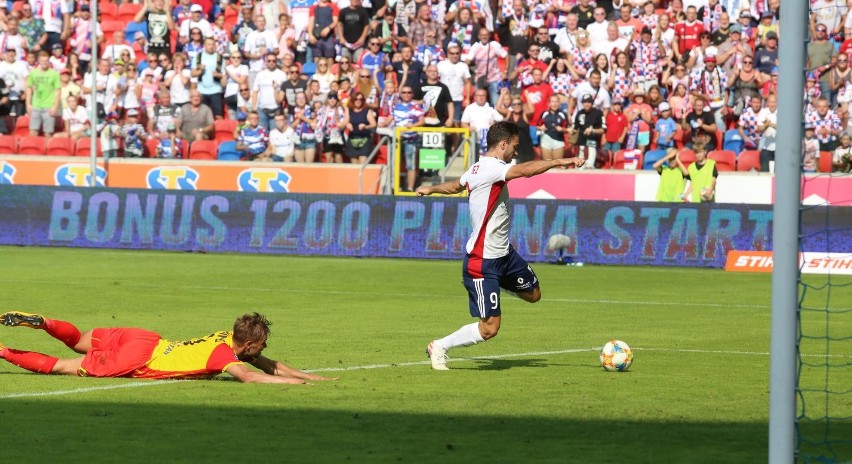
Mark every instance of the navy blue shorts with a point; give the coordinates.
(483, 279)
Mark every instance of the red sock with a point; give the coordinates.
(63, 331)
(30, 360)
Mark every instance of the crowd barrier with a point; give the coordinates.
(628, 233)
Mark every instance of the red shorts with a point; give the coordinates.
(117, 352)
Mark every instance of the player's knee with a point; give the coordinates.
(533, 296)
(488, 332)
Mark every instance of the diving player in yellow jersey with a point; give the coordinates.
(139, 353)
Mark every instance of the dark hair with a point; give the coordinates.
(251, 328)
(501, 131)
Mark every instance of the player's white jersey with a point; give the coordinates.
(489, 208)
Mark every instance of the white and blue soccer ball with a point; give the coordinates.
(616, 356)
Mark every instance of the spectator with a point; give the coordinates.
(810, 150)
(271, 10)
(407, 113)
(548, 50)
(553, 125)
(766, 127)
(436, 99)
(537, 95)
(639, 119)
(629, 27)
(601, 65)
(282, 141)
(767, 57)
(323, 16)
(408, 71)
(147, 91)
(195, 21)
(195, 45)
(429, 52)
(66, 87)
(407, 9)
(621, 84)
(360, 125)
(177, 81)
(324, 76)
(373, 60)
(369, 87)
(345, 70)
(687, 35)
(513, 31)
(56, 14)
(43, 96)
(561, 81)
(646, 56)
(81, 38)
(134, 135)
(266, 96)
(598, 29)
(182, 12)
(483, 55)
(701, 125)
(14, 73)
(747, 83)
(723, 31)
(839, 79)
(331, 122)
(566, 37)
(589, 125)
(170, 144)
(286, 36)
(109, 133)
(162, 116)
(593, 88)
(32, 28)
(12, 38)
(304, 123)
(585, 13)
(464, 30)
(519, 114)
(842, 157)
(117, 48)
(157, 15)
(665, 128)
(711, 15)
(522, 73)
(733, 52)
(259, 44)
(702, 175)
(675, 11)
(75, 118)
(129, 98)
(352, 29)
(616, 128)
(245, 26)
(820, 56)
(826, 124)
(220, 35)
(294, 84)
(672, 173)
(770, 87)
(748, 125)
(581, 60)
(195, 121)
(711, 82)
(236, 83)
(208, 68)
(253, 139)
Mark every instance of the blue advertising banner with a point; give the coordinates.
(384, 226)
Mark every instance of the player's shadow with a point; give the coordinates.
(486, 364)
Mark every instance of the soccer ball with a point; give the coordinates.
(616, 356)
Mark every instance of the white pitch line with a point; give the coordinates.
(372, 294)
(86, 390)
(152, 383)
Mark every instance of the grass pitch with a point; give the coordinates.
(697, 391)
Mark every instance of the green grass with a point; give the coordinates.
(697, 391)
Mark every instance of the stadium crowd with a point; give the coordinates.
(309, 80)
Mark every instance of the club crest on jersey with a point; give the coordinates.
(7, 173)
(79, 175)
(264, 180)
(172, 178)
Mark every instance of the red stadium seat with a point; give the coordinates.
(22, 126)
(108, 11)
(223, 130)
(203, 150)
(109, 27)
(720, 139)
(60, 146)
(678, 137)
(619, 160)
(84, 147)
(726, 160)
(748, 160)
(30, 145)
(825, 158)
(151, 147)
(8, 144)
(127, 11)
(687, 157)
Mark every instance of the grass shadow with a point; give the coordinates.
(489, 364)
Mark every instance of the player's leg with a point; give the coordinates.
(39, 363)
(63, 331)
(518, 279)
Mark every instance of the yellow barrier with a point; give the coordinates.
(398, 151)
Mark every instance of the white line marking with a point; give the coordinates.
(86, 390)
(152, 383)
(371, 294)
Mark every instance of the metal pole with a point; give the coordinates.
(785, 236)
(93, 111)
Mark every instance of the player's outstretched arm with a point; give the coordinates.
(534, 168)
(448, 188)
(246, 375)
(280, 369)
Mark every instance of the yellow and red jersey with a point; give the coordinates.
(196, 358)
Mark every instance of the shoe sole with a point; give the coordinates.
(17, 319)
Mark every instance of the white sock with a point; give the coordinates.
(467, 335)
